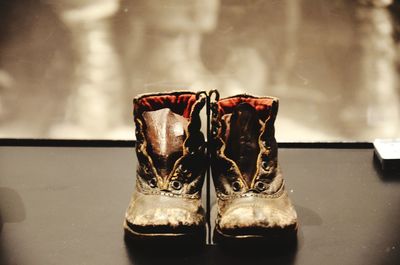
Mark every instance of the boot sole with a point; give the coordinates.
(197, 236)
(273, 236)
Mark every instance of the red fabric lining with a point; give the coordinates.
(262, 105)
(179, 103)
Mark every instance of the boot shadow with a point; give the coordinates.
(258, 253)
(12, 209)
(173, 252)
(164, 251)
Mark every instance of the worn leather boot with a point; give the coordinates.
(251, 198)
(171, 165)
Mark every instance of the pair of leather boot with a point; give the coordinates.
(173, 158)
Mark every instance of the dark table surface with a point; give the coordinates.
(65, 205)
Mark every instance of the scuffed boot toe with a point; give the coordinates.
(164, 216)
(257, 218)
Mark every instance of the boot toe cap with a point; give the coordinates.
(160, 214)
(255, 215)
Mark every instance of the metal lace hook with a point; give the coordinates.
(213, 92)
(199, 93)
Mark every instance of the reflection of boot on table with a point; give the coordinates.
(172, 38)
(94, 109)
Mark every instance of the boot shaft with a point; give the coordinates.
(244, 150)
(170, 146)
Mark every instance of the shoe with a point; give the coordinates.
(172, 162)
(251, 199)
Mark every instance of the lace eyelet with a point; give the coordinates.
(261, 186)
(236, 186)
(176, 185)
(153, 183)
(264, 164)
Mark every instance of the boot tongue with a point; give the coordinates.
(242, 139)
(165, 135)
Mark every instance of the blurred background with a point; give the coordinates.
(70, 68)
